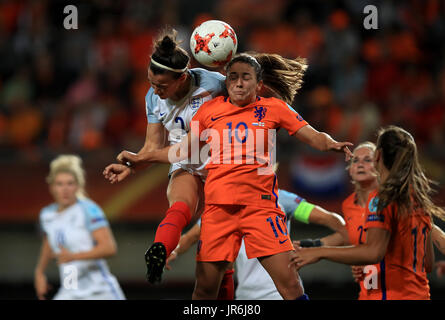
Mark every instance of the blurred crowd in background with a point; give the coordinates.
(83, 90)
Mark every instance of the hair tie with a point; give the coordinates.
(167, 68)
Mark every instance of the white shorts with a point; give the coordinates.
(193, 169)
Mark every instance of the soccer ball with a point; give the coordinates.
(213, 43)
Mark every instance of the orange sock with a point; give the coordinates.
(169, 230)
(227, 288)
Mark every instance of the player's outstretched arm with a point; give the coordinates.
(322, 141)
(171, 154)
(309, 213)
(335, 239)
(154, 140)
(370, 252)
(131, 162)
(331, 220)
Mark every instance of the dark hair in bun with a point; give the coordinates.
(168, 53)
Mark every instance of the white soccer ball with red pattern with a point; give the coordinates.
(213, 43)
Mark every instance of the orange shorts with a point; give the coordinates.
(224, 226)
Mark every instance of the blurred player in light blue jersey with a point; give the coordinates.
(77, 235)
(175, 96)
(254, 283)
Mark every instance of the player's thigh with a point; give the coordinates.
(220, 238)
(185, 187)
(208, 277)
(277, 266)
(265, 232)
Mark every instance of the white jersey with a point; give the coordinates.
(177, 115)
(72, 229)
(254, 283)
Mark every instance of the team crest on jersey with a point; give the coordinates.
(299, 118)
(373, 204)
(260, 112)
(298, 199)
(196, 102)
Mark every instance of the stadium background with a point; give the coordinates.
(82, 91)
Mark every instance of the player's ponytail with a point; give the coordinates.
(281, 75)
(166, 46)
(71, 164)
(406, 184)
(168, 56)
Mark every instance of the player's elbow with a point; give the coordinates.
(328, 219)
(110, 250)
(335, 222)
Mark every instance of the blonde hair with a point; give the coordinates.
(367, 144)
(71, 164)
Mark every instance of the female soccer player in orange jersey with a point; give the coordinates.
(398, 222)
(364, 178)
(241, 200)
(363, 175)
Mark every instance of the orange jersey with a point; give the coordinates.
(402, 270)
(354, 216)
(241, 144)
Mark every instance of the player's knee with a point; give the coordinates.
(290, 290)
(205, 290)
(190, 200)
(179, 209)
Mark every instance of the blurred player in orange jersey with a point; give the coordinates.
(398, 222)
(241, 200)
(364, 178)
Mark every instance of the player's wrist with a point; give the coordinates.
(310, 243)
(130, 166)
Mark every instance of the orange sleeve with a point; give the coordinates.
(289, 119)
(380, 220)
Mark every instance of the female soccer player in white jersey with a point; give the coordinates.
(175, 95)
(77, 234)
(254, 283)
